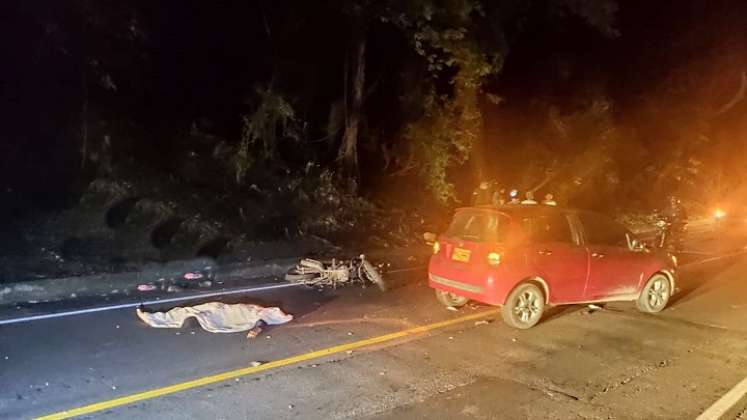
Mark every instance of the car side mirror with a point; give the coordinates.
(429, 238)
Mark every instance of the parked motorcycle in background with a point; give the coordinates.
(671, 234)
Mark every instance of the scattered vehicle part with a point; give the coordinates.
(452, 301)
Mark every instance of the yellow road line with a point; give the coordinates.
(207, 380)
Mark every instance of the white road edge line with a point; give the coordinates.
(147, 302)
(159, 301)
(716, 258)
(721, 408)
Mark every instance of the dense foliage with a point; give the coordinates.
(552, 95)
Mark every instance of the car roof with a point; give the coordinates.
(520, 209)
(516, 210)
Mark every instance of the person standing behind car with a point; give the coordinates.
(499, 197)
(482, 196)
(514, 197)
(549, 200)
(677, 217)
(529, 198)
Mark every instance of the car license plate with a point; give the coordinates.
(461, 254)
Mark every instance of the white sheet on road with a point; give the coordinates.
(217, 317)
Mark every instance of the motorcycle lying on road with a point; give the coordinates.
(335, 272)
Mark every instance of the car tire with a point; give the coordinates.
(524, 306)
(451, 299)
(655, 294)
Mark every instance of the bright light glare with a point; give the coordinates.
(494, 258)
(719, 214)
(436, 247)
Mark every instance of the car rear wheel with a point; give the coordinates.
(524, 306)
(451, 299)
(655, 295)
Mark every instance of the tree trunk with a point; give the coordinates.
(84, 122)
(347, 155)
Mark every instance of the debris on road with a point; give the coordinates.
(451, 308)
(193, 276)
(217, 317)
(146, 287)
(590, 309)
(255, 364)
(205, 283)
(482, 322)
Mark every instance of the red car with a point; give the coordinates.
(526, 257)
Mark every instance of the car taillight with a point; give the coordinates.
(436, 247)
(494, 258)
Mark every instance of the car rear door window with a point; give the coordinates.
(548, 228)
(478, 226)
(600, 230)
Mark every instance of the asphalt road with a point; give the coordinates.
(613, 363)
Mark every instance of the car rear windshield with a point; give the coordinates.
(478, 226)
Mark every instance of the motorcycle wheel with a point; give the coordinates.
(373, 274)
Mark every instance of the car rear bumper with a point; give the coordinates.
(456, 285)
(482, 286)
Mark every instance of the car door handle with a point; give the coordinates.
(544, 252)
(597, 255)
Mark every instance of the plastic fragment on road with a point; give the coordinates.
(451, 308)
(192, 276)
(217, 317)
(590, 309)
(146, 287)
